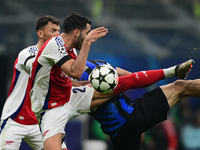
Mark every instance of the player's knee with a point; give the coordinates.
(182, 84)
(178, 83)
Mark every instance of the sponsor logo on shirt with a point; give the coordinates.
(63, 74)
(9, 142)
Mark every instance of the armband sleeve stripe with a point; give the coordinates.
(30, 57)
(63, 60)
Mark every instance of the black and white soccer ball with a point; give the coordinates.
(104, 78)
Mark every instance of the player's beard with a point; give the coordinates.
(79, 42)
(45, 39)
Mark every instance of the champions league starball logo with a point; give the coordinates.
(62, 50)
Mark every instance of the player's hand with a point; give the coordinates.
(94, 34)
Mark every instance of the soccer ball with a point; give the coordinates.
(104, 78)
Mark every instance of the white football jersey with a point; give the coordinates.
(50, 86)
(16, 106)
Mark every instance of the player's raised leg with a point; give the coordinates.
(56, 140)
(181, 88)
(147, 78)
(143, 79)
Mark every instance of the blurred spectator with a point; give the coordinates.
(162, 136)
(190, 133)
(97, 8)
(196, 8)
(180, 113)
(185, 5)
(95, 133)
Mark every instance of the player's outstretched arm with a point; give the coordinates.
(75, 68)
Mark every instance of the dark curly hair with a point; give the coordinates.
(75, 21)
(43, 21)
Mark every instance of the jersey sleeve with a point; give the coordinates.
(90, 65)
(55, 51)
(98, 62)
(26, 58)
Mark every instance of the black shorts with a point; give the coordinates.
(149, 110)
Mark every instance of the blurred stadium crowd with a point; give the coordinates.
(143, 35)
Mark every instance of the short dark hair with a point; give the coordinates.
(75, 21)
(43, 21)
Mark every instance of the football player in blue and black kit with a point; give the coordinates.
(125, 119)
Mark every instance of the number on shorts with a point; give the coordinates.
(79, 89)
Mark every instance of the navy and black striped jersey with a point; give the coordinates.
(113, 114)
(90, 65)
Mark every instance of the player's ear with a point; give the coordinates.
(76, 33)
(40, 34)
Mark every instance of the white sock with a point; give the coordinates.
(169, 72)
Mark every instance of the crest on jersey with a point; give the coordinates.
(62, 50)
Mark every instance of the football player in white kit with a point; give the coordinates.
(18, 121)
(51, 89)
(46, 72)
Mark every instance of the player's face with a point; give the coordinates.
(50, 30)
(83, 34)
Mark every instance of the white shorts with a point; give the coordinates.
(54, 120)
(12, 134)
